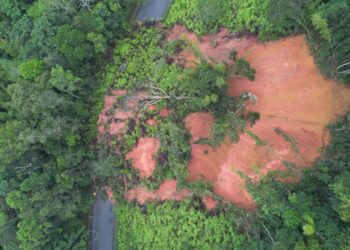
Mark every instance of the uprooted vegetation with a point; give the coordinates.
(296, 223)
(264, 152)
(141, 65)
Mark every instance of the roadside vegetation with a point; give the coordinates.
(174, 225)
(57, 60)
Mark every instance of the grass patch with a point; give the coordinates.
(173, 226)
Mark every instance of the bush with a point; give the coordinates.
(333, 50)
(251, 15)
(315, 209)
(29, 70)
(321, 25)
(173, 226)
(206, 16)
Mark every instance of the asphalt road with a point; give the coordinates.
(153, 10)
(103, 225)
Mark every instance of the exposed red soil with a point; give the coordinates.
(151, 122)
(292, 97)
(152, 107)
(113, 120)
(143, 156)
(215, 48)
(167, 191)
(164, 112)
(206, 122)
(109, 194)
(209, 202)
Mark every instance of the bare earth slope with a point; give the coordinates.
(293, 97)
(295, 104)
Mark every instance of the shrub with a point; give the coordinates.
(206, 16)
(322, 26)
(29, 70)
(333, 51)
(251, 15)
(173, 226)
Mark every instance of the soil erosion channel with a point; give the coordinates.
(295, 104)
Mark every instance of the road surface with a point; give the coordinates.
(153, 10)
(103, 225)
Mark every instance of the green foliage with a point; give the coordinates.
(173, 226)
(4, 96)
(64, 81)
(46, 125)
(252, 16)
(243, 68)
(229, 125)
(199, 188)
(29, 70)
(312, 214)
(10, 8)
(252, 117)
(257, 139)
(204, 87)
(105, 164)
(290, 17)
(72, 44)
(308, 229)
(137, 60)
(203, 16)
(341, 190)
(99, 42)
(36, 9)
(214, 13)
(291, 140)
(322, 26)
(173, 154)
(332, 52)
(58, 49)
(185, 12)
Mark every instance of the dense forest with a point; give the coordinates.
(57, 60)
(51, 54)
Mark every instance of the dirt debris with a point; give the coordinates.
(295, 103)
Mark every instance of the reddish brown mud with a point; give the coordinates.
(295, 103)
(209, 202)
(114, 117)
(166, 191)
(143, 156)
(293, 97)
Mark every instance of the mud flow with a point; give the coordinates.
(295, 103)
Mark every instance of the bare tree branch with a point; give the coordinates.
(156, 94)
